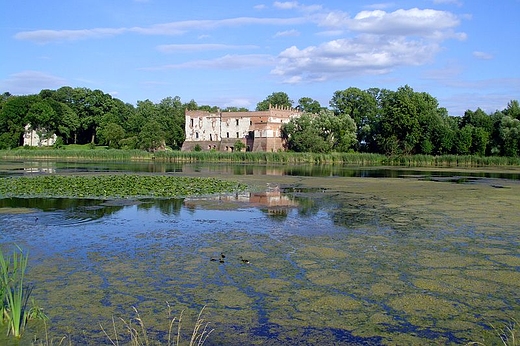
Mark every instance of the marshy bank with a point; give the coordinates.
(359, 159)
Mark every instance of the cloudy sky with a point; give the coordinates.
(466, 53)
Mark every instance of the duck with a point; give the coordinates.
(246, 261)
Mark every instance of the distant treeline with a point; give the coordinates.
(379, 121)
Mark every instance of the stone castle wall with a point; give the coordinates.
(259, 130)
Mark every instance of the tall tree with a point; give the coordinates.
(170, 113)
(510, 133)
(400, 130)
(279, 99)
(362, 107)
(309, 105)
(13, 118)
(323, 132)
(513, 109)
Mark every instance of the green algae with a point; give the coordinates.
(400, 266)
(8, 210)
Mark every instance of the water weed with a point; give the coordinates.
(113, 186)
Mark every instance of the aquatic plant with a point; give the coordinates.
(71, 152)
(114, 186)
(138, 333)
(508, 334)
(15, 294)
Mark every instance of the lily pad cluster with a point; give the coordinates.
(114, 186)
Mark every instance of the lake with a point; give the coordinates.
(310, 255)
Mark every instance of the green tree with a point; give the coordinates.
(40, 115)
(510, 133)
(463, 140)
(170, 112)
(302, 136)
(320, 133)
(239, 146)
(235, 109)
(513, 109)
(400, 130)
(479, 141)
(13, 118)
(308, 105)
(279, 99)
(111, 134)
(359, 105)
(151, 136)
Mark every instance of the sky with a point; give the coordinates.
(235, 53)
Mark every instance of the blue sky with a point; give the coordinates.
(466, 53)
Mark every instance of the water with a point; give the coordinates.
(331, 259)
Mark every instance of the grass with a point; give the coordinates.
(85, 152)
(136, 331)
(15, 294)
(508, 334)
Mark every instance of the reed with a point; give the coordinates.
(282, 157)
(15, 294)
(507, 335)
(136, 331)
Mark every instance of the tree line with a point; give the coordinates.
(373, 120)
(401, 122)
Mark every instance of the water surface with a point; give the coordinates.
(326, 259)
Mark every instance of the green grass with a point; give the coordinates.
(136, 331)
(85, 152)
(15, 294)
(508, 334)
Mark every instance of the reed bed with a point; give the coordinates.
(352, 158)
(14, 294)
(77, 154)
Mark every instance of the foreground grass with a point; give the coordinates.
(113, 186)
(14, 294)
(136, 331)
(361, 159)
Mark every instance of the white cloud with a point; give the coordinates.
(287, 33)
(168, 48)
(366, 54)
(172, 28)
(30, 82)
(380, 6)
(404, 22)
(287, 5)
(483, 55)
(450, 2)
(46, 36)
(227, 62)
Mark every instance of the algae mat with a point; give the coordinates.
(324, 261)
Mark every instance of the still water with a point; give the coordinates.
(319, 255)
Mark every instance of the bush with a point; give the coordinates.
(239, 146)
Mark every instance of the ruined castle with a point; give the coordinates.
(258, 131)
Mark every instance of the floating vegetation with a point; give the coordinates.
(366, 261)
(114, 186)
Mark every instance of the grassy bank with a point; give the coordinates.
(361, 159)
